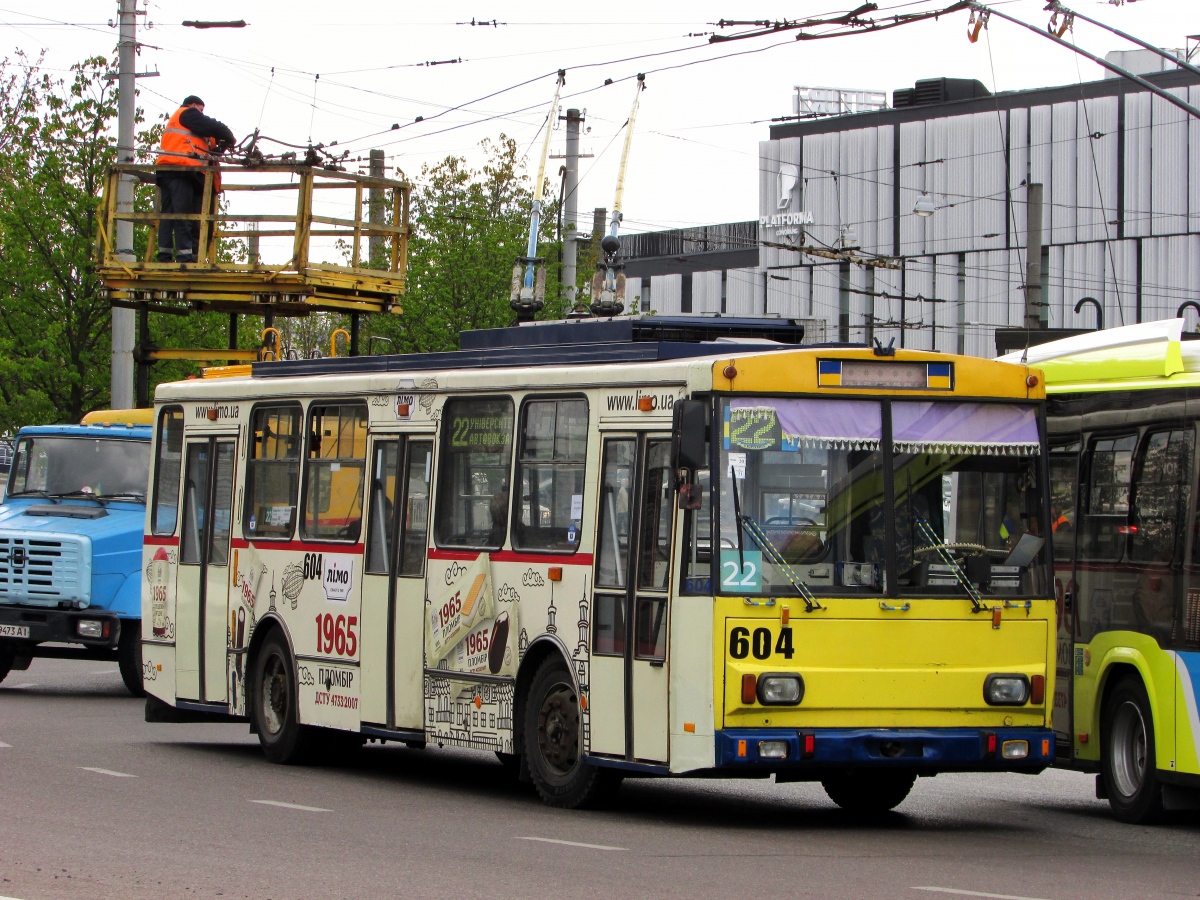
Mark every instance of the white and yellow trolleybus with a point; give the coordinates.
(634, 547)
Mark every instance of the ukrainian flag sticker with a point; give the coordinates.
(938, 376)
(829, 373)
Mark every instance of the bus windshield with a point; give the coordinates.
(58, 466)
(968, 498)
(802, 495)
(804, 486)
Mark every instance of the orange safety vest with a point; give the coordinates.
(179, 147)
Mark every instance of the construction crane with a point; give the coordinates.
(529, 294)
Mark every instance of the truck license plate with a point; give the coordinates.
(14, 631)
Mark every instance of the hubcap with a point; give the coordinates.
(558, 728)
(1128, 748)
(274, 695)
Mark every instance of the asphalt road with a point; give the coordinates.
(95, 803)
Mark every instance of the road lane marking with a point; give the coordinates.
(107, 772)
(961, 893)
(2, 747)
(8, 898)
(298, 806)
(106, 672)
(571, 843)
(17, 687)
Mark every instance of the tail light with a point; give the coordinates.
(989, 743)
(808, 744)
(749, 688)
(1037, 692)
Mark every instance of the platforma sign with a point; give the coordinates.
(788, 219)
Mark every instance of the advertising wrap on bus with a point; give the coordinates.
(70, 546)
(661, 559)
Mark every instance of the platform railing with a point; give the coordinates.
(308, 278)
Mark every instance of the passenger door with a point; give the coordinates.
(203, 591)
(633, 581)
(393, 600)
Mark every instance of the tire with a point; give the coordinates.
(129, 656)
(276, 705)
(552, 743)
(1127, 754)
(869, 792)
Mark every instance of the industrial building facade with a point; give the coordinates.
(1120, 170)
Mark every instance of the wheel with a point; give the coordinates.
(129, 656)
(6, 659)
(1127, 754)
(276, 714)
(869, 792)
(552, 743)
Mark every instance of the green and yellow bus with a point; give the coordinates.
(1123, 408)
(647, 546)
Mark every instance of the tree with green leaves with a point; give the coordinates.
(469, 227)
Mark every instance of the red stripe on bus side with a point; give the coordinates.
(150, 540)
(302, 546)
(550, 559)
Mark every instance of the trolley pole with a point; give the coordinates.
(571, 207)
(1033, 257)
(123, 320)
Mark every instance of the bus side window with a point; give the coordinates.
(476, 456)
(550, 474)
(1106, 516)
(382, 502)
(167, 463)
(1064, 478)
(272, 473)
(414, 522)
(333, 479)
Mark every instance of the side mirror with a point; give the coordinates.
(689, 435)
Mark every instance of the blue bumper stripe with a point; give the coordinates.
(931, 749)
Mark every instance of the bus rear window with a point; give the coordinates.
(472, 501)
(166, 470)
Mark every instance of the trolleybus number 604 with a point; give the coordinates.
(742, 643)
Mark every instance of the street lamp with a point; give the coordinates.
(924, 207)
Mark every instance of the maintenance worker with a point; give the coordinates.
(190, 141)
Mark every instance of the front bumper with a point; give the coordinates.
(924, 750)
(58, 626)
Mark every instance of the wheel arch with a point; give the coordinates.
(544, 647)
(1119, 663)
(264, 628)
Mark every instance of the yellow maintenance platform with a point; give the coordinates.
(275, 238)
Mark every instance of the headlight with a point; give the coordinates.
(1006, 690)
(1014, 749)
(775, 689)
(773, 750)
(91, 628)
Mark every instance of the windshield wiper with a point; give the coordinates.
(771, 552)
(40, 492)
(943, 552)
(133, 496)
(75, 495)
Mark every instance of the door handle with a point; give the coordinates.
(887, 607)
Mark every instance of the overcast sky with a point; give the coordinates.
(695, 150)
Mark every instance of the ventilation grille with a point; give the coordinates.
(44, 570)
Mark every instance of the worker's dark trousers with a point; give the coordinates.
(181, 193)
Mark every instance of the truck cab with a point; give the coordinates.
(71, 524)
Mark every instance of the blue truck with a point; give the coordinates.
(71, 525)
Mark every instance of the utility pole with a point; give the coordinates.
(571, 206)
(1033, 257)
(124, 320)
(375, 213)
